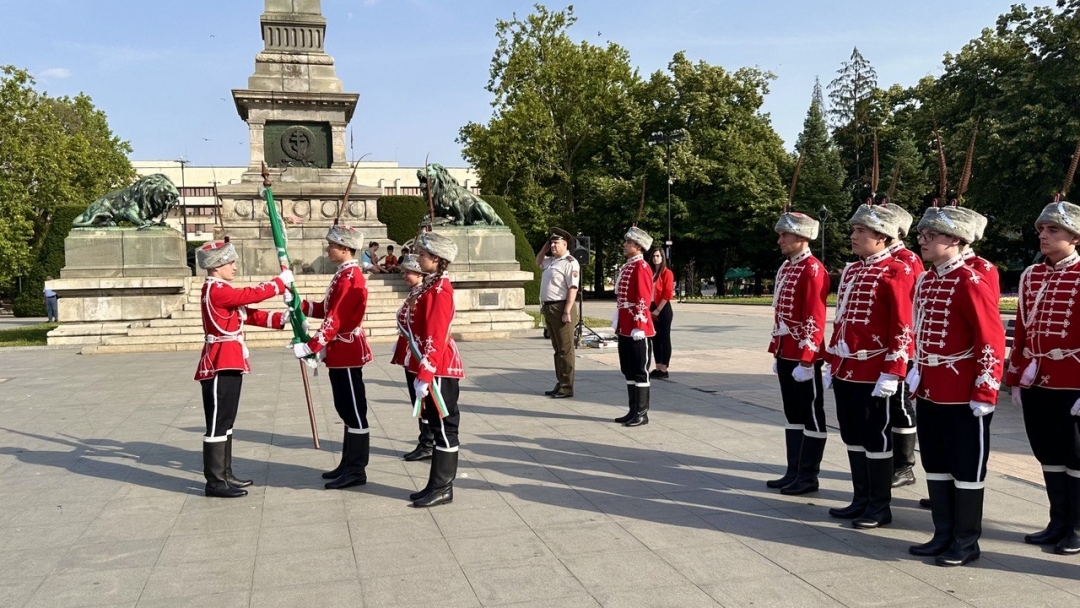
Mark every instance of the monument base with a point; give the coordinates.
(158, 251)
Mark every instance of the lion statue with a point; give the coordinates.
(453, 203)
(140, 203)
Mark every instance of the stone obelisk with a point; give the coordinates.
(297, 114)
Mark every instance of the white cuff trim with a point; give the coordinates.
(938, 477)
(793, 427)
(221, 439)
(357, 431)
(910, 431)
(879, 455)
(442, 449)
(856, 448)
(969, 485)
(815, 434)
(1072, 473)
(1053, 468)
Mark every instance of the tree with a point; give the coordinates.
(53, 152)
(850, 94)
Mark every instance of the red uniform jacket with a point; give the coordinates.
(427, 325)
(959, 339)
(799, 294)
(342, 312)
(982, 266)
(664, 287)
(403, 315)
(872, 327)
(1047, 336)
(633, 297)
(911, 259)
(224, 312)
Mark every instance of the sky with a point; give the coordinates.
(163, 71)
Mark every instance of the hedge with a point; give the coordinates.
(402, 214)
(50, 259)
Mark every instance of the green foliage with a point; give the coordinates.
(50, 259)
(524, 253)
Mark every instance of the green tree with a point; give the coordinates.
(851, 95)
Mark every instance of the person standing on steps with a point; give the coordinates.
(224, 358)
(633, 324)
(558, 294)
(414, 278)
(959, 349)
(432, 355)
(799, 300)
(341, 342)
(663, 294)
(868, 354)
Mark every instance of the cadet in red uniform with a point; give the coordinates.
(341, 343)
(869, 351)
(224, 357)
(979, 264)
(1044, 374)
(414, 278)
(632, 323)
(432, 355)
(802, 285)
(901, 409)
(959, 349)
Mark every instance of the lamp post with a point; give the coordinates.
(823, 214)
(183, 195)
(667, 138)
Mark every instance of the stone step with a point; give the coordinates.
(162, 327)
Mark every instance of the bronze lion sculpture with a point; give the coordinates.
(149, 198)
(455, 204)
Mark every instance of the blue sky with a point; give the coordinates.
(163, 70)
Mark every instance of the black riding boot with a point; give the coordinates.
(1057, 490)
(809, 466)
(336, 471)
(1070, 545)
(214, 469)
(631, 396)
(641, 414)
(878, 512)
(440, 481)
(357, 448)
(793, 439)
(943, 512)
(860, 482)
(903, 459)
(968, 517)
(229, 477)
(425, 443)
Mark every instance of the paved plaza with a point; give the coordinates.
(101, 492)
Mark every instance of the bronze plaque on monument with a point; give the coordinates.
(297, 144)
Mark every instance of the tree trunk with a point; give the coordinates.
(598, 269)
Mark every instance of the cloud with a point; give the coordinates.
(54, 73)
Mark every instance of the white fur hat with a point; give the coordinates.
(876, 218)
(346, 236)
(902, 217)
(440, 246)
(639, 236)
(798, 224)
(978, 221)
(215, 254)
(409, 263)
(1063, 214)
(953, 221)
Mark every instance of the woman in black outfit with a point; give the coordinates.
(663, 294)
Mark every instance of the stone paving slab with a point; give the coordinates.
(101, 492)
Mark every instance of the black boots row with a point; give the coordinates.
(425, 443)
(903, 459)
(638, 415)
(440, 486)
(871, 480)
(352, 470)
(1063, 531)
(957, 515)
(217, 467)
(804, 455)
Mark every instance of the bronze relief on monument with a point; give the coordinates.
(297, 144)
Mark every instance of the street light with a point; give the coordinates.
(183, 195)
(668, 138)
(823, 214)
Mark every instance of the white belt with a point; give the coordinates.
(862, 355)
(351, 336)
(935, 360)
(218, 339)
(782, 330)
(1055, 354)
(626, 305)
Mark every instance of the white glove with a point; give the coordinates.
(886, 386)
(775, 370)
(1028, 377)
(286, 277)
(421, 388)
(287, 297)
(802, 373)
(301, 350)
(1015, 394)
(826, 376)
(981, 409)
(637, 334)
(615, 320)
(393, 350)
(1075, 411)
(913, 379)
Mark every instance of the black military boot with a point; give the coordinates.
(793, 439)
(860, 482)
(942, 511)
(631, 396)
(214, 470)
(1057, 490)
(641, 414)
(809, 466)
(425, 443)
(357, 449)
(878, 512)
(1070, 545)
(441, 480)
(229, 477)
(903, 459)
(968, 529)
(336, 471)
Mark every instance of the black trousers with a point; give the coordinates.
(221, 399)
(634, 359)
(350, 399)
(444, 429)
(955, 444)
(902, 410)
(804, 402)
(1052, 431)
(662, 340)
(864, 420)
(425, 431)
